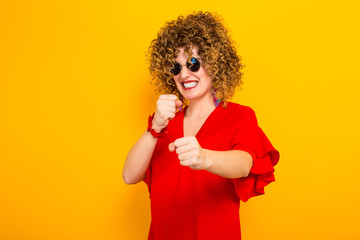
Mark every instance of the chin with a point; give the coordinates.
(192, 97)
(189, 96)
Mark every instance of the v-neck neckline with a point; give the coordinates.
(202, 126)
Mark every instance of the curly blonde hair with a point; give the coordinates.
(206, 32)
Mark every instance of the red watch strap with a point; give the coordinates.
(155, 134)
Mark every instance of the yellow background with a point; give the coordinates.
(75, 96)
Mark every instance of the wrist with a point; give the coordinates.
(207, 160)
(156, 127)
(156, 134)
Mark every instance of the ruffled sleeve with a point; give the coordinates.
(249, 137)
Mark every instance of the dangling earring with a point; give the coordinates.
(181, 98)
(216, 101)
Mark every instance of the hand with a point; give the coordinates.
(166, 107)
(190, 153)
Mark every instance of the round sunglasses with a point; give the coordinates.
(193, 65)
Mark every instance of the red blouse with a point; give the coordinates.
(192, 204)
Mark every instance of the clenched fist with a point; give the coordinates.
(190, 153)
(166, 108)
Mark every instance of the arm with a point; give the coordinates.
(138, 158)
(228, 164)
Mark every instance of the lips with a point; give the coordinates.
(187, 85)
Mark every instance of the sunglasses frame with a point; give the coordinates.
(193, 64)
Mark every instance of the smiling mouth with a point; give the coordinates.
(189, 85)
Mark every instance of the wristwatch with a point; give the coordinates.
(155, 134)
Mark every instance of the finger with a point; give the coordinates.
(184, 141)
(178, 103)
(167, 108)
(168, 96)
(185, 156)
(168, 103)
(183, 149)
(186, 162)
(171, 147)
(171, 103)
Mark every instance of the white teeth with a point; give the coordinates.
(190, 84)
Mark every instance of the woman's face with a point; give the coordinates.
(192, 85)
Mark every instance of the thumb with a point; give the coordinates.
(172, 147)
(178, 103)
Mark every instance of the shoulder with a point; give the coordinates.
(236, 108)
(239, 113)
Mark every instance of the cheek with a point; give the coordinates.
(205, 75)
(207, 79)
(176, 80)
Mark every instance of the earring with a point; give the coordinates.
(181, 98)
(216, 101)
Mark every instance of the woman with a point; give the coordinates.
(199, 162)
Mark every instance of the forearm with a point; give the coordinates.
(228, 164)
(138, 159)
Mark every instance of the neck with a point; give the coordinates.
(199, 108)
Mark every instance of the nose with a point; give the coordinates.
(185, 72)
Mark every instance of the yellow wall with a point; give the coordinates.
(75, 96)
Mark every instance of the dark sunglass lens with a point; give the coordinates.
(175, 70)
(193, 64)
